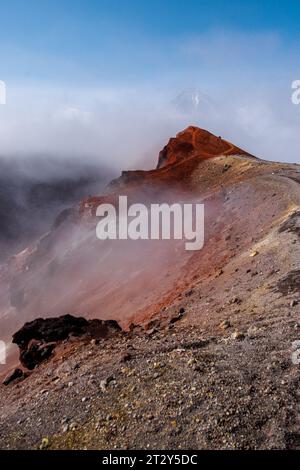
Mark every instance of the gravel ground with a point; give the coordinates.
(171, 388)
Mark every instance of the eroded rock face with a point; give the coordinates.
(37, 339)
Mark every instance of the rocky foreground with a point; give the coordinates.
(203, 352)
(179, 387)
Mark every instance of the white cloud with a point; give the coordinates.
(245, 79)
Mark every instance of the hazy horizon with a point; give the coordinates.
(88, 81)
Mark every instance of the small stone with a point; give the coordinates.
(151, 331)
(238, 336)
(296, 345)
(178, 316)
(70, 384)
(252, 331)
(84, 399)
(293, 303)
(225, 324)
(125, 357)
(45, 443)
(226, 167)
(189, 293)
(95, 342)
(103, 385)
(191, 361)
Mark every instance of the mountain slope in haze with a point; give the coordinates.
(34, 191)
(208, 362)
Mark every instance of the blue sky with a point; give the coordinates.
(110, 40)
(82, 75)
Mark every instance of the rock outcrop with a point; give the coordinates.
(37, 339)
(195, 142)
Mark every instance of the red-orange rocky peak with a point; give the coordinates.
(193, 142)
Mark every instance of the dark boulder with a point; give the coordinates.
(50, 329)
(35, 353)
(99, 329)
(37, 339)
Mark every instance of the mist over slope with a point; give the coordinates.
(214, 328)
(35, 190)
(68, 270)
